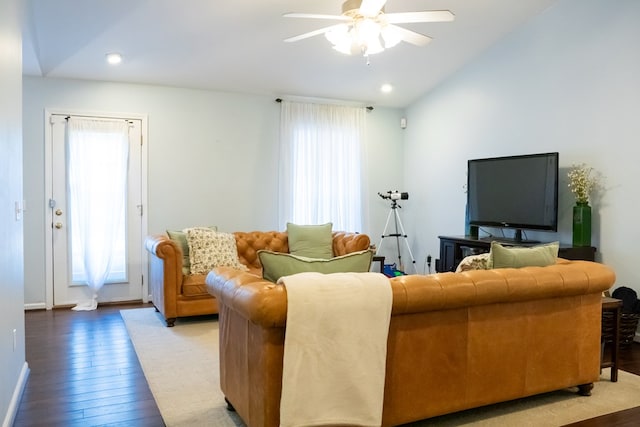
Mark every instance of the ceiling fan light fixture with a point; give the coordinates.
(363, 37)
(348, 40)
(372, 47)
(366, 30)
(367, 36)
(346, 48)
(390, 36)
(341, 39)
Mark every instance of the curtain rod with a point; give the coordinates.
(368, 107)
(113, 119)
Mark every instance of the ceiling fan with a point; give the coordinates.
(365, 28)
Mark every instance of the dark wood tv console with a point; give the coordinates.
(454, 248)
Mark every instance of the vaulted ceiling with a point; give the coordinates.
(237, 45)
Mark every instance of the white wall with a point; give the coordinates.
(213, 157)
(569, 81)
(13, 368)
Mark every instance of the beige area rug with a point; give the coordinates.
(181, 367)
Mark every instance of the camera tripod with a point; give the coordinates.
(398, 222)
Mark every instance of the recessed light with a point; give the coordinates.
(114, 58)
(386, 88)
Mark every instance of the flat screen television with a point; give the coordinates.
(517, 192)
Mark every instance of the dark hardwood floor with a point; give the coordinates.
(84, 372)
(629, 361)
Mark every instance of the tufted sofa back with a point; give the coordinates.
(249, 243)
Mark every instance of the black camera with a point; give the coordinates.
(395, 195)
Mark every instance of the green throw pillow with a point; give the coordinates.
(312, 241)
(278, 264)
(180, 237)
(516, 257)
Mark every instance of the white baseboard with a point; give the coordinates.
(12, 411)
(43, 306)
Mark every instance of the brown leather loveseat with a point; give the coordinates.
(456, 340)
(175, 294)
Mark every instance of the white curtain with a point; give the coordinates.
(321, 164)
(97, 156)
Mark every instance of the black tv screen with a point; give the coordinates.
(518, 192)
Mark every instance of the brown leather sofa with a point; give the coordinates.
(456, 340)
(177, 295)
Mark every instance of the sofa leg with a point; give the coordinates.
(585, 389)
(229, 405)
(171, 321)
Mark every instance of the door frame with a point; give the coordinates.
(48, 172)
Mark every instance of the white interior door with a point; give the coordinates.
(125, 275)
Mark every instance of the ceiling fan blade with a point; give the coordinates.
(316, 16)
(371, 8)
(411, 36)
(312, 33)
(426, 16)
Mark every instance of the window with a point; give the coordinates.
(321, 165)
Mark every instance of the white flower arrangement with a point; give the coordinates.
(582, 182)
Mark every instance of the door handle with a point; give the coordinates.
(58, 225)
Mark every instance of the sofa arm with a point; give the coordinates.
(163, 247)
(165, 273)
(254, 298)
(346, 243)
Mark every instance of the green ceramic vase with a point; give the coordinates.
(582, 224)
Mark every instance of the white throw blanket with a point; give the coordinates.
(335, 349)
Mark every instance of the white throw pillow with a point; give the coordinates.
(209, 249)
(474, 262)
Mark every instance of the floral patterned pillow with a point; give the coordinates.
(180, 237)
(474, 262)
(209, 249)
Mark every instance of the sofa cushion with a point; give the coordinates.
(516, 257)
(195, 285)
(180, 237)
(209, 249)
(278, 264)
(313, 241)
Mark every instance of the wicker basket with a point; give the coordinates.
(628, 326)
